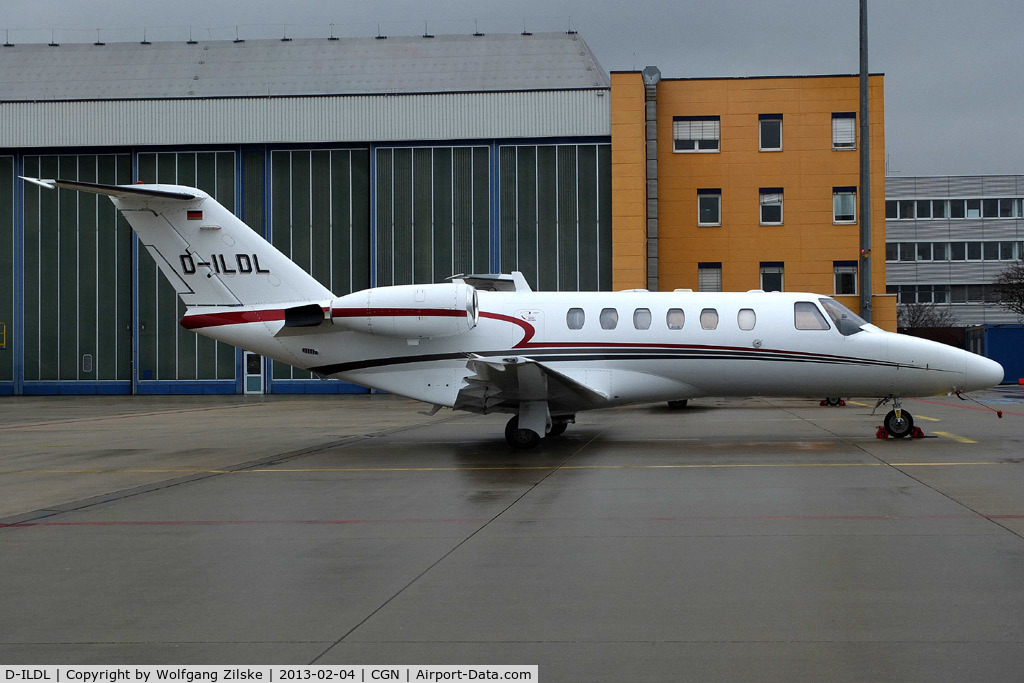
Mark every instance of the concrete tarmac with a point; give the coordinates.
(741, 539)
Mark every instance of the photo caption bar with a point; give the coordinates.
(264, 674)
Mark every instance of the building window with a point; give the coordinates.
(845, 277)
(844, 130)
(709, 319)
(771, 276)
(771, 206)
(696, 133)
(844, 204)
(769, 132)
(574, 318)
(709, 207)
(709, 277)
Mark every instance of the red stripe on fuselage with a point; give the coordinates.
(397, 312)
(528, 329)
(200, 320)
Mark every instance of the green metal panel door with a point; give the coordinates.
(433, 213)
(77, 274)
(320, 218)
(166, 350)
(7, 281)
(555, 214)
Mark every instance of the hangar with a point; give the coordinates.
(369, 161)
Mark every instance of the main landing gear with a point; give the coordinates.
(522, 439)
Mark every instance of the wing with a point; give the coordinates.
(501, 384)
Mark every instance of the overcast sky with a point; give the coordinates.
(954, 88)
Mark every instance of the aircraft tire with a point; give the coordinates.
(899, 427)
(557, 428)
(520, 439)
(677, 405)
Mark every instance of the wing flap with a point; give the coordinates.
(500, 384)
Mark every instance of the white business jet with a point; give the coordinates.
(489, 344)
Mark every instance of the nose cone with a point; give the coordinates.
(981, 373)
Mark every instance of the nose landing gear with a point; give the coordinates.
(898, 423)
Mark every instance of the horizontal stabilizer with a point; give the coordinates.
(120, 191)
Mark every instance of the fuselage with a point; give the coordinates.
(636, 346)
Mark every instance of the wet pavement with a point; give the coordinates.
(739, 539)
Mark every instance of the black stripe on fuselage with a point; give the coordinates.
(613, 353)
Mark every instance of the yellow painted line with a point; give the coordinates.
(955, 437)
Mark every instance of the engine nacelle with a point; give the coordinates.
(409, 311)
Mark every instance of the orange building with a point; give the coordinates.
(745, 183)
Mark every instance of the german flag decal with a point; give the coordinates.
(195, 215)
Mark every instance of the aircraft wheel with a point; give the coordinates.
(833, 401)
(520, 438)
(558, 428)
(677, 405)
(901, 426)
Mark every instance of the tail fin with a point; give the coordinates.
(210, 257)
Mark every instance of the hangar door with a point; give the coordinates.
(432, 213)
(166, 350)
(320, 218)
(555, 214)
(7, 275)
(76, 276)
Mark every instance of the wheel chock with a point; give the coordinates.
(881, 433)
(916, 433)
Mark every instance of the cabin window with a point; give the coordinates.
(746, 319)
(574, 318)
(806, 316)
(675, 319)
(642, 318)
(609, 318)
(709, 319)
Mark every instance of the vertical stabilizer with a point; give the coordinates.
(210, 257)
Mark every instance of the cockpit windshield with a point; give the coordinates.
(846, 321)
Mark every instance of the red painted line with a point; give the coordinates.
(966, 407)
(826, 518)
(242, 522)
